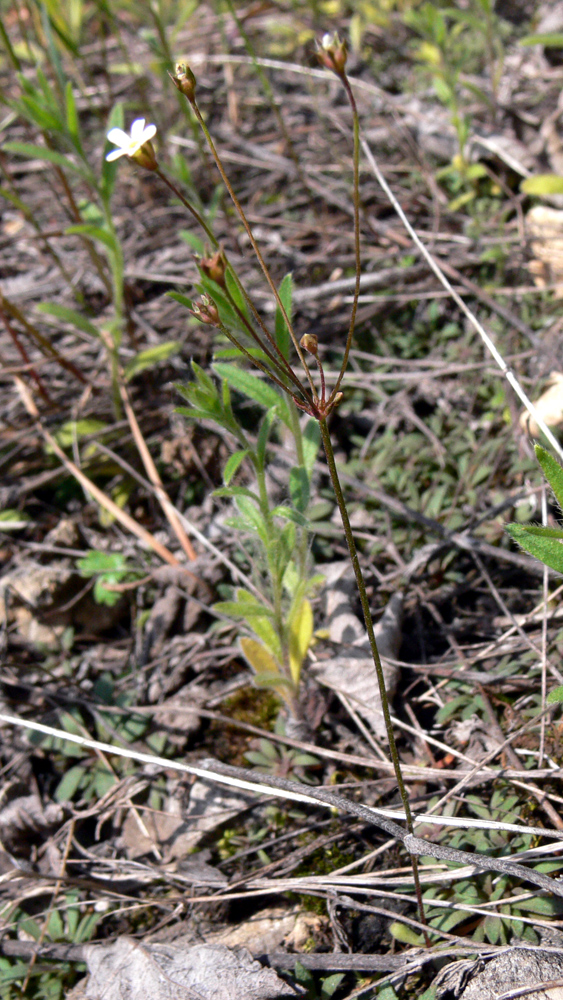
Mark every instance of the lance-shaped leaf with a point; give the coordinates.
(150, 357)
(283, 336)
(254, 388)
(300, 635)
(546, 544)
(261, 661)
(552, 472)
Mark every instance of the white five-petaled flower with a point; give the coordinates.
(129, 145)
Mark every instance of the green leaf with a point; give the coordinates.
(72, 122)
(193, 241)
(552, 472)
(103, 781)
(291, 515)
(233, 464)
(283, 337)
(404, 934)
(109, 568)
(182, 299)
(542, 184)
(552, 40)
(311, 442)
(95, 233)
(253, 388)
(55, 928)
(305, 760)
(443, 91)
(493, 928)
(263, 435)
(255, 757)
(261, 661)
(387, 993)
(248, 384)
(255, 520)
(74, 430)
(32, 152)
(300, 635)
(429, 994)
(13, 520)
(546, 906)
(555, 697)
(104, 596)
(545, 544)
(243, 609)
(331, 984)
(204, 379)
(234, 354)
(299, 487)
(151, 357)
(48, 119)
(258, 615)
(235, 292)
(68, 316)
(69, 783)
(101, 562)
(87, 926)
(303, 975)
(272, 680)
(236, 491)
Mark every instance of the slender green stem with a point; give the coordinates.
(357, 256)
(256, 362)
(329, 451)
(253, 242)
(187, 204)
(284, 366)
(280, 364)
(296, 431)
(302, 546)
(272, 558)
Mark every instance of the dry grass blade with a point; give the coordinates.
(433, 264)
(152, 473)
(106, 502)
(238, 777)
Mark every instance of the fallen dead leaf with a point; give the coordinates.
(351, 671)
(130, 970)
(503, 975)
(549, 406)
(544, 226)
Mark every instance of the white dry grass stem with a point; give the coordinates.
(435, 267)
(217, 772)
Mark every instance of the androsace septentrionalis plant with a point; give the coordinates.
(309, 394)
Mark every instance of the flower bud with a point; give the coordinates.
(206, 311)
(310, 343)
(214, 267)
(333, 53)
(185, 81)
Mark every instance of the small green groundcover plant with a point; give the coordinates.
(545, 543)
(542, 542)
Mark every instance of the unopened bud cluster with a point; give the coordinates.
(213, 266)
(185, 81)
(310, 343)
(206, 311)
(333, 53)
